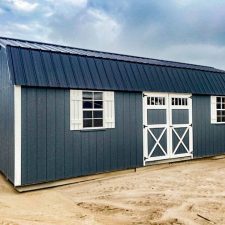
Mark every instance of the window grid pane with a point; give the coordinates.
(92, 109)
(179, 101)
(156, 101)
(98, 114)
(98, 96)
(87, 123)
(87, 95)
(98, 122)
(98, 104)
(87, 114)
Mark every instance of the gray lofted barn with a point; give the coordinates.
(67, 112)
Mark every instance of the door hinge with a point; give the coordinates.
(144, 126)
(144, 95)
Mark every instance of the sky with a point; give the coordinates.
(191, 31)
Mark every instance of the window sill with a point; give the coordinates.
(93, 129)
(218, 123)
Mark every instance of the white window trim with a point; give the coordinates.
(93, 128)
(214, 109)
(17, 135)
(185, 96)
(103, 110)
(158, 106)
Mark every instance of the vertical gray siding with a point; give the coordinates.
(50, 151)
(6, 119)
(208, 139)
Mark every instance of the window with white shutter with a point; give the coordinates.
(109, 110)
(91, 110)
(217, 109)
(76, 118)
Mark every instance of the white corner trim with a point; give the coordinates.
(17, 135)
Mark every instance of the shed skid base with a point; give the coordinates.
(149, 163)
(75, 180)
(158, 165)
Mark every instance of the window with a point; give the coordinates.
(92, 109)
(179, 101)
(156, 100)
(218, 109)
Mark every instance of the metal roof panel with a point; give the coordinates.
(32, 67)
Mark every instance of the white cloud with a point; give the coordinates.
(63, 8)
(87, 28)
(80, 3)
(23, 5)
(103, 25)
(202, 54)
(29, 31)
(68, 4)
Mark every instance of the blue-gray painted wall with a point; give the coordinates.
(6, 119)
(208, 139)
(50, 151)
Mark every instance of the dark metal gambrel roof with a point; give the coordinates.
(47, 65)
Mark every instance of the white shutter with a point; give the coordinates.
(213, 110)
(76, 115)
(109, 109)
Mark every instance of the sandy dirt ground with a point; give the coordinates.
(183, 193)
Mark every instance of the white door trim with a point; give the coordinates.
(17, 135)
(169, 127)
(188, 126)
(147, 128)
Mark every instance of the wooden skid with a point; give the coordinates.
(156, 164)
(76, 180)
(168, 161)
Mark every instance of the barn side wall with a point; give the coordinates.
(6, 119)
(208, 139)
(50, 151)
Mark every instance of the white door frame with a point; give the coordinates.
(188, 126)
(147, 128)
(168, 126)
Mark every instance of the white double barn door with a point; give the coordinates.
(167, 120)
